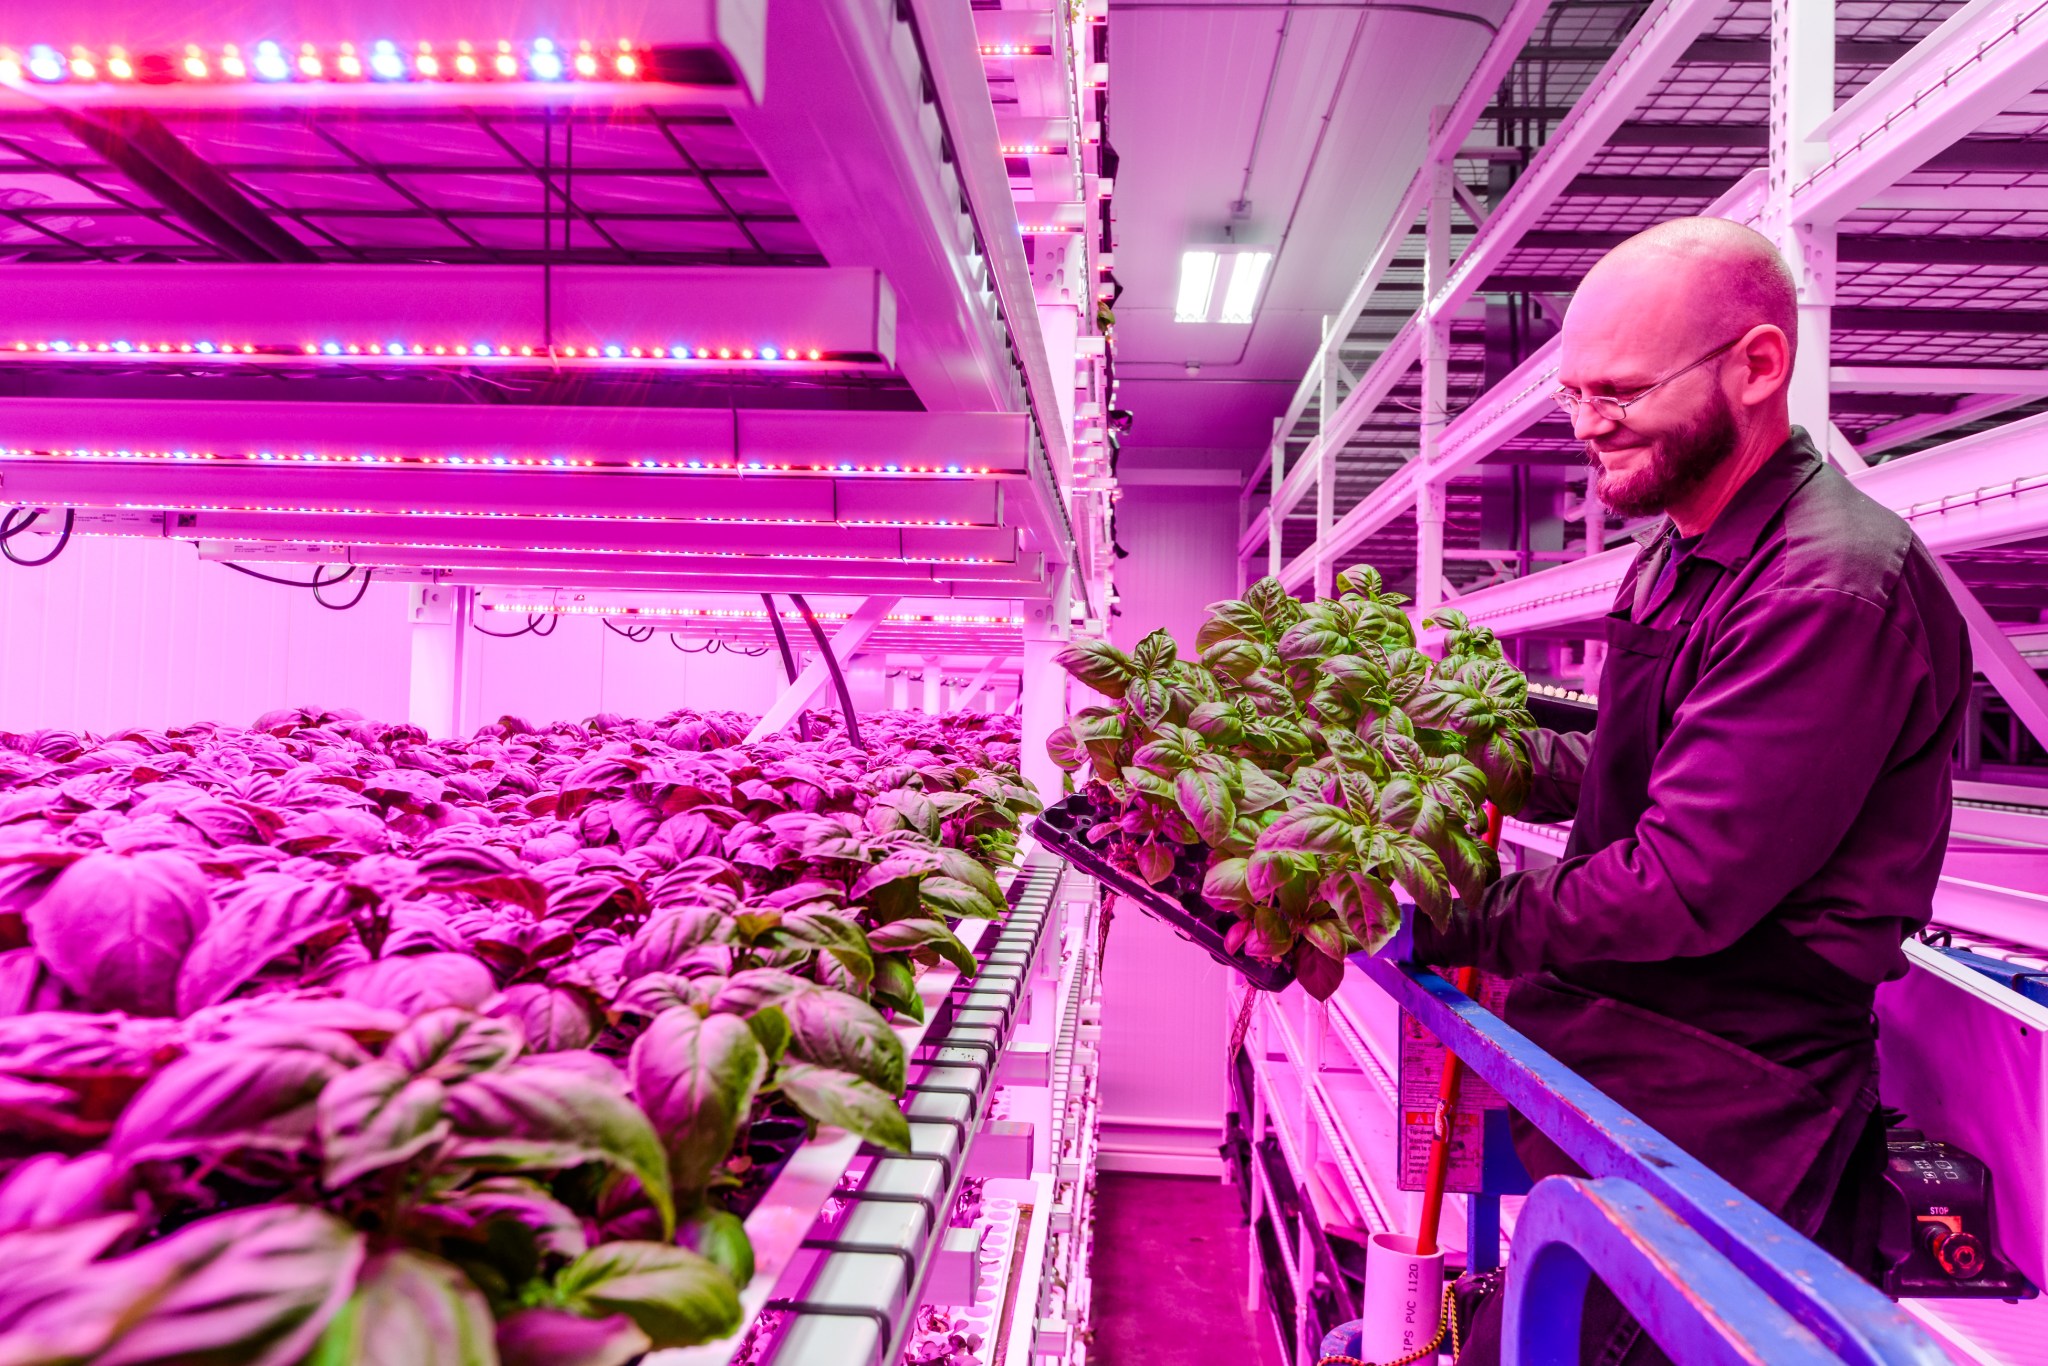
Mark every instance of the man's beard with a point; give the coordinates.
(1679, 463)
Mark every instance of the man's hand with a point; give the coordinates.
(1401, 948)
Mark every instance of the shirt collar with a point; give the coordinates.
(1733, 537)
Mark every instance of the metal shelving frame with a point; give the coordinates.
(1896, 152)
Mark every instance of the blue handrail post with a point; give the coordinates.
(1688, 1297)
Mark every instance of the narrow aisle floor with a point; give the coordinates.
(1170, 1267)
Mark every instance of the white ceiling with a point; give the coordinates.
(1190, 78)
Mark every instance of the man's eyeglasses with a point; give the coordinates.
(1614, 409)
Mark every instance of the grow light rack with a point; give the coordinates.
(351, 221)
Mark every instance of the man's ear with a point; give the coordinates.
(1765, 356)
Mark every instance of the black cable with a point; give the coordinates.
(532, 621)
(362, 587)
(832, 667)
(63, 539)
(709, 647)
(549, 619)
(803, 725)
(9, 529)
(639, 635)
(316, 582)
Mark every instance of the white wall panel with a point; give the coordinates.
(1163, 1008)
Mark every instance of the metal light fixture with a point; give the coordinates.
(1197, 285)
(1221, 283)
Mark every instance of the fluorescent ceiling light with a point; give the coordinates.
(1197, 284)
(1241, 296)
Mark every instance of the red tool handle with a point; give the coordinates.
(1465, 980)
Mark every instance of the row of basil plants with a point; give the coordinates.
(321, 1041)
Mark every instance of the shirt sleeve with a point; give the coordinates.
(1768, 761)
(1557, 765)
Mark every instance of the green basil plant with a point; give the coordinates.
(1308, 762)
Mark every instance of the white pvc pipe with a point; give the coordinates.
(1404, 1296)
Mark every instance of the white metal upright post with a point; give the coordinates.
(933, 700)
(1326, 469)
(1275, 519)
(1043, 698)
(1430, 496)
(1802, 99)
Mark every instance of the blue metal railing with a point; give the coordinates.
(1688, 1297)
(1848, 1316)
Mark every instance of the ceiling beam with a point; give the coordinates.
(1946, 381)
(1888, 249)
(1975, 66)
(847, 315)
(1991, 321)
(137, 145)
(1731, 52)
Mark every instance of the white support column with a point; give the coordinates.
(1043, 699)
(1430, 495)
(1430, 501)
(1326, 468)
(1802, 99)
(932, 700)
(846, 642)
(442, 666)
(899, 691)
(1274, 519)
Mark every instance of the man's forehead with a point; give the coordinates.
(1617, 330)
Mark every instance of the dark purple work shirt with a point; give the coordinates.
(1806, 730)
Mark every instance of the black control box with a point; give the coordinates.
(1936, 1239)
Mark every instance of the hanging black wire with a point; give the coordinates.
(639, 635)
(532, 627)
(362, 587)
(803, 726)
(709, 647)
(316, 582)
(9, 530)
(832, 667)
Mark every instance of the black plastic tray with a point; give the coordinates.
(1061, 829)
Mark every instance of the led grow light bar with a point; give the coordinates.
(337, 459)
(737, 614)
(441, 353)
(883, 445)
(630, 539)
(270, 62)
(769, 319)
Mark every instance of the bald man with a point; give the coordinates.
(1760, 814)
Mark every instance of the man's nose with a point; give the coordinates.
(1588, 422)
